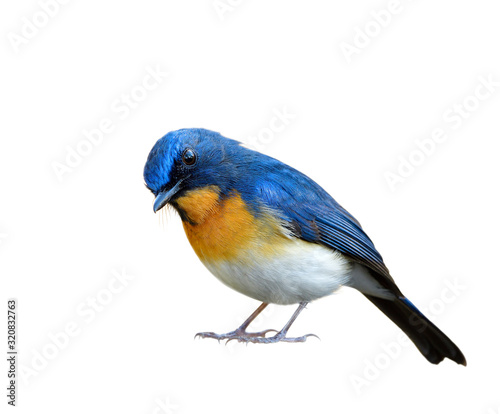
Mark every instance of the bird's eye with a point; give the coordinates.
(188, 157)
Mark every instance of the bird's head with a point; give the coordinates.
(190, 159)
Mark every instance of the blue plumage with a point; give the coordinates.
(311, 213)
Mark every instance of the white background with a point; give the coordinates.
(63, 240)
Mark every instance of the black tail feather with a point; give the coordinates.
(430, 341)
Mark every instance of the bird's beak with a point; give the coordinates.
(165, 196)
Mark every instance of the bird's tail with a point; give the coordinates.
(430, 341)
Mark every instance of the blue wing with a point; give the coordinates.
(313, 215)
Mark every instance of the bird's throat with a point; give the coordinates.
(195, 206)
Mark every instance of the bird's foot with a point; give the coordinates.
(279, 337)
(254, 337)
(239, 334)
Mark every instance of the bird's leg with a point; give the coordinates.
(241, 331)
(281, 335)
(241, 335)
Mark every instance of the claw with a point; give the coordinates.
(206, 335)
(229, 340)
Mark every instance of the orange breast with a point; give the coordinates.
(224, 228)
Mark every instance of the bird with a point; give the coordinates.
(273, 234)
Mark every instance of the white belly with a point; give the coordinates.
(300, 272)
